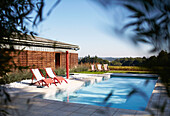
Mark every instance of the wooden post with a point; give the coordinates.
(67, 64)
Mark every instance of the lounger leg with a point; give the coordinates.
(66, 81)
(57, 80)
(55, 83)
(46, 84)
(39, 83)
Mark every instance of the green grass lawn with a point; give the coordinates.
(137, 72)
(128, 68)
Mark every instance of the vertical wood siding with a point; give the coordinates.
(42, 59)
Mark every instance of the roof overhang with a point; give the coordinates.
(41, 42)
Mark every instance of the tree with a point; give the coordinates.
(149, 20)
(163, 59)
(115, 63)
(14, 22)
(150, 24)
(150, 62)
(88, 59)
(138, 62)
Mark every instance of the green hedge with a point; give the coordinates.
(15, 76)
(60, 71)
(79, 68)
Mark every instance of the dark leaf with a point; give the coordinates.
(164, 20)
(160, 16)
(21, 51)
(153, 50)
(163, 106)
(146, 82)
(7, 95)
(33, 34)
(57, 2)
(100, 111)
(133, 9)
(132, 92)
(39, 16)
(150, 111)
(28, 101)
(142, 40)
(131, 24)
(136, 15)
(138, 91)
(108, 96)
(4, 112)
(146, 6)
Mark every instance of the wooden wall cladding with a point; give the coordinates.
(73, 60)
(35, 59)
(63, 60)
(42, 59)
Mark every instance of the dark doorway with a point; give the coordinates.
(57, 60)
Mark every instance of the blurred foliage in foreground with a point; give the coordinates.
(148, 22)
(15, 20)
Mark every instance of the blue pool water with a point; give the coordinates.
(120, 86)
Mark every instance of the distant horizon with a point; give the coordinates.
(117, 56)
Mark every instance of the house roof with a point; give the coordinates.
(42, 42)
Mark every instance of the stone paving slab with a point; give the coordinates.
(25, 105)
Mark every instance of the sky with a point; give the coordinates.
(84, 23)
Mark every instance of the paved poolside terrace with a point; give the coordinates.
(24, 102)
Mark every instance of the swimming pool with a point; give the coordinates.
(120, 86)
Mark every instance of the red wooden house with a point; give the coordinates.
(41, 53)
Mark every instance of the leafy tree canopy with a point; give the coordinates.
(15, 17)
(149, 20)
(92, 60)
